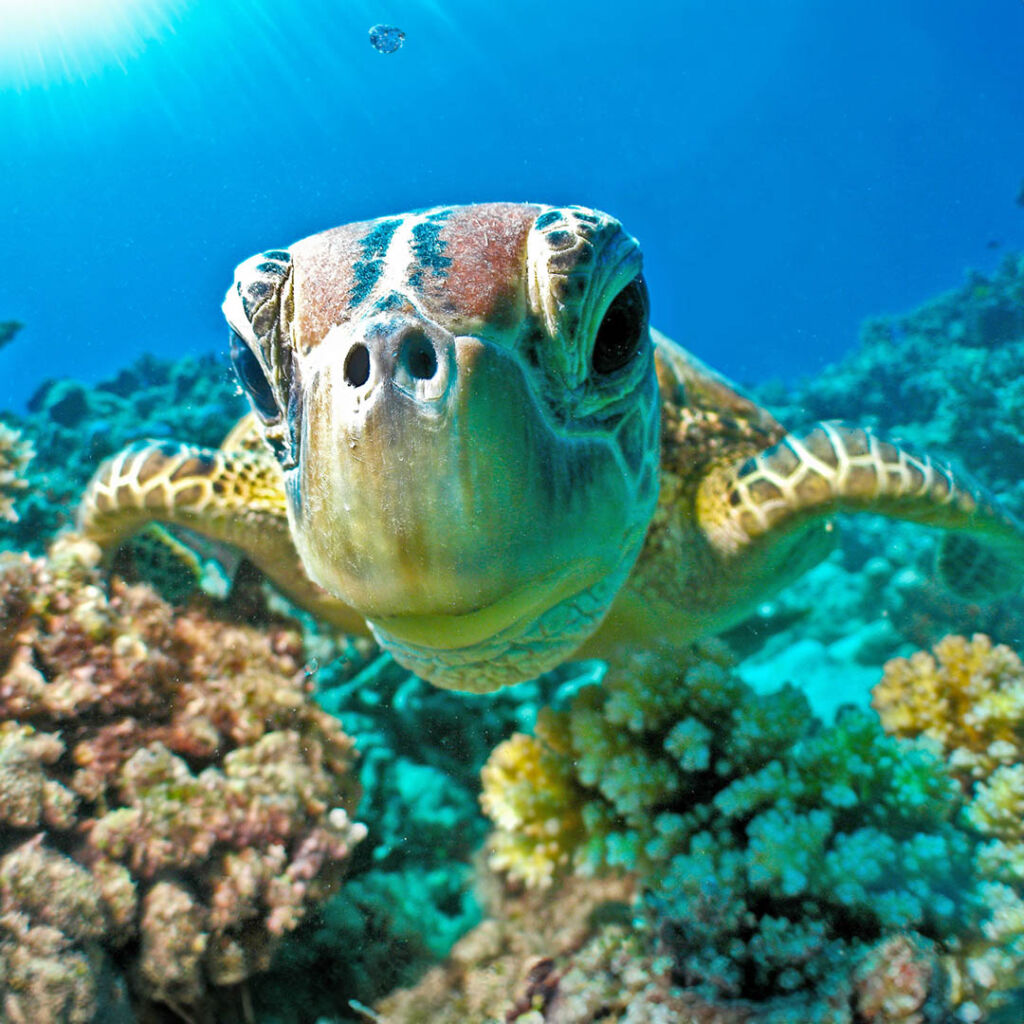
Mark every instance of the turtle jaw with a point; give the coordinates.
(454, 509)
(541, 638)
(443, 632)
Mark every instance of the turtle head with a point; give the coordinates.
(464, 404)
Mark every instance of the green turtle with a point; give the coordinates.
(466, 438)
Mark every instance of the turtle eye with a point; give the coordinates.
(622, 330)
(253, 379)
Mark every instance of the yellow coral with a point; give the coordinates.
(998, 805)
(968, 696)
(531, 795)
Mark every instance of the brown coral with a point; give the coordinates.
(167, 772)
(493, 972)
(571, 954)
(51, 916)
(896, 982)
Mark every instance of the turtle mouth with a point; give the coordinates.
(518, 637)
(511, 614)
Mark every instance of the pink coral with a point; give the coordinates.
(168, 771)
(894, 982)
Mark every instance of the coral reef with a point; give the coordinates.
(410, 891)
(51, 920)
(171, 799)
(773, 852)
(967, 698)
(15, 454)
(572, 954)
(612, 978)
(944, 377)
(491, 970)
(74, 426)
(137, 781)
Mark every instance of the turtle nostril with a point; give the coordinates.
(419, 357)
(357, 366)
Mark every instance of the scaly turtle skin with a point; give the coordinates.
(466, 437)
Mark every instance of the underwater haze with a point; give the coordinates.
(788, 166)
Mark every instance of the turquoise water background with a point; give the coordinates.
(789, 166)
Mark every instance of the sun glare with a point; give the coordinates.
(47, 41)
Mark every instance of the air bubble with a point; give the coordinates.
(386, 38)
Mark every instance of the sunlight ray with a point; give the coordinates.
(52, 41)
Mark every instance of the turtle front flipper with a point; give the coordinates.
(232, 496)
(751, 507)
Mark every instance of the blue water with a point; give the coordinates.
(790, 167)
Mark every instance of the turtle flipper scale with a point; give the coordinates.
(837, 468)
(231, 496)
(219, 494)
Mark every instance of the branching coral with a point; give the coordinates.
(15, 454)
(613, 979)
(967, 697)
(774, 851)
(531, 794)
(571, 954)
(170, 776)
(499, 970)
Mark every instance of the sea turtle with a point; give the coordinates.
(466, 437)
